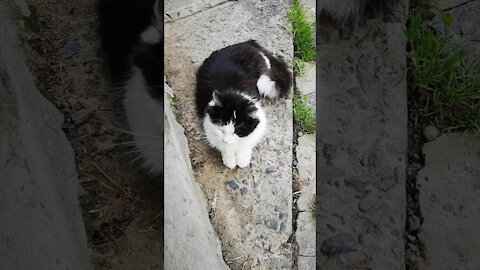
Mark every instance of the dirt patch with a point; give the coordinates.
(122, 209)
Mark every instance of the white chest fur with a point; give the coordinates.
(145, 118)
(240, 151)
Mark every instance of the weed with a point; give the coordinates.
(302, 33)
(298, 66)
(313, 208)
(439, 70)
(303, 115)
(31, 23)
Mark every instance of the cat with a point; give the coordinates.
(346, 14)
(230, 84)
(132, 39)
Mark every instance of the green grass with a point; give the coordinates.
(303, 115)
(302, 33)
(31, 23)
(439, 70)
(313, 208)
(298, 66)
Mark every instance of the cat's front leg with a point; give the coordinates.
(228, 158)
(243, 157)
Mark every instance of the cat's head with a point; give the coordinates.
(234, 115)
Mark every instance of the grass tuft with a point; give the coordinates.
(302, 33)
(439, 70)
(313, 209)
(303, 115)
(298, 67)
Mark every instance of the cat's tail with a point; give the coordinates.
(277, 81)
(346, 14)
(282, 77)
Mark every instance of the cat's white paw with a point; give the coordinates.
(243, 158)
(229, 160)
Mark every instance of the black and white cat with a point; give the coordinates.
(230, 83)
(132, 39)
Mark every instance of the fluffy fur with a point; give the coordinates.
(229, 84)
(346, 14)
(132, 39)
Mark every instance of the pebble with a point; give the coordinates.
(413, 223)
(272, 224)
(282, 227)
(300, 134)
(339, 243)
(70, 49)
(368, 202)
(430, 133)
(243, 190)
(271, 169)
(81, 116)
(232, 184)
(411, 238)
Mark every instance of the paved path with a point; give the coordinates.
(362, 140)
(250, 209)
(449, 184)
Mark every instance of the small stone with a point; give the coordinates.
(411, 238)
(282, 227)
(339, 243)
(300, 134)
(430, 133)
(70, 49)
(368, 202)
(272, 224)
(232, 184)
(243, 190)
(413, 223)
(104, 143)
(271, 169)
(81, 116)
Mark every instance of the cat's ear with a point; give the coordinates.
(252, 111)
(215, 99)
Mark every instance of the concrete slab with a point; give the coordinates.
(305, 234)
(451, 4)
(449, 190)
(310, 7)
(306, 263)
(361, 142)
(305, 179)
(41, 225)
(306, 171)
(189, 239)
(305, 84)
(251, 208)
(465, 24)
(178, 9)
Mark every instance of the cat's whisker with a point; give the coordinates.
(136, 133)
(134, 143)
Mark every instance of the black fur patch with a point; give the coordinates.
(234, 108)
(238, 67)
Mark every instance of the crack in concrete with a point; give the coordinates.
(414, 248)
(196, 12)
(459, 5)
(295, 195)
